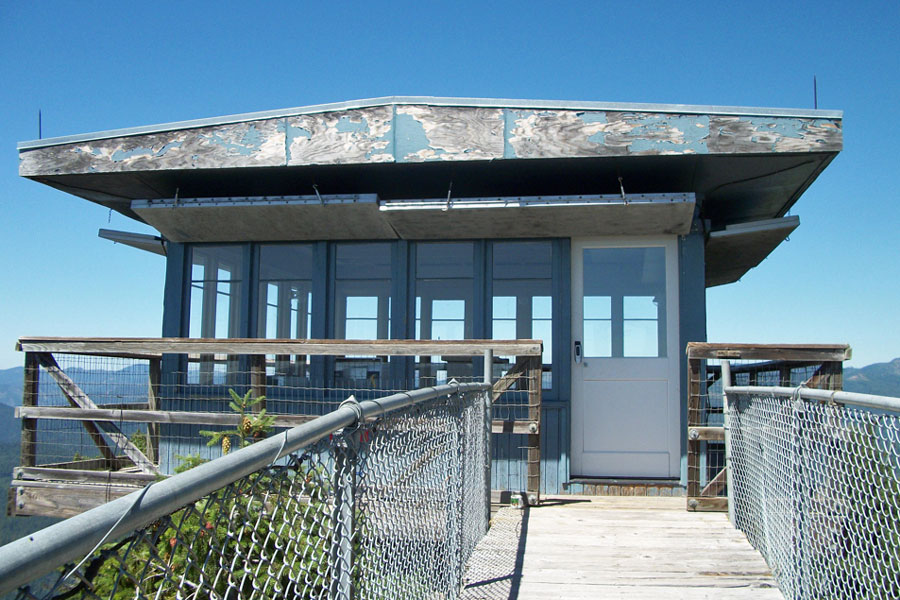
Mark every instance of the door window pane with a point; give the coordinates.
(624, 302)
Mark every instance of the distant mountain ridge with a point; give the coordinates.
(882, 379)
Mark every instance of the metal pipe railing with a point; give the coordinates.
(33, 556)
(814, 483)
(838, 397)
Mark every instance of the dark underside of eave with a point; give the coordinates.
(730, 189)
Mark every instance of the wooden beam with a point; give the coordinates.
(533, 487)
(716, 484)
(91, 464)
(30, 398)
(149, 416)
(82, 476)
(154, 378)
(693, 416)
(62, 500)
(698, 504)
(519, 427)
(76, 397)
(805, 352)
(706, 434)
(156, 346)
(258, 380)
(515, 374)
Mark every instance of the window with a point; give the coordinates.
(215, 306)
(285, 302)
(624, 302)
(362, 309)
(444, 306)
(522, 302)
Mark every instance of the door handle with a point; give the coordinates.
(578, 353)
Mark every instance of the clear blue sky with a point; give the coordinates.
(95, 66)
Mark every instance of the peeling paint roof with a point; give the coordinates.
(686, 109)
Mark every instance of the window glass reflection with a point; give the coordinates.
(624, 302)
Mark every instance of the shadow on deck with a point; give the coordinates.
(606, 547)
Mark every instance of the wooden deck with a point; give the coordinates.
(576, 547)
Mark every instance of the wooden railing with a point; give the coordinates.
(815, 365)
(63, 487)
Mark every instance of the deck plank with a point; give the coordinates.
(577, 547)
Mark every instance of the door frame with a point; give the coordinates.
(673, 404)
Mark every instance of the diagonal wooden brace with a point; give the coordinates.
(77, 398)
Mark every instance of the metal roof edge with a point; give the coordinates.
(438, 101)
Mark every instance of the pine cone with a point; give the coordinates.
(246, 426)
(226, 444)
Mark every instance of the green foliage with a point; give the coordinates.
(251, 427)
(188, 462)
(222, 525)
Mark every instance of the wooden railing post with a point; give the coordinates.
(258, 379)
(693, 417)
(30, 398)
(153, 390)
(533, 488)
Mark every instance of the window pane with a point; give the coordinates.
(597, 307)
(445, 260)
(522, 303)
(285, 261)
(504, 307)
(542, 307)
(625, 290)
(641, 338)
(363, 261)
(503, 329)
(522, 260)
(639, 307)
(215, 310)
(597, 339)
(362, 309)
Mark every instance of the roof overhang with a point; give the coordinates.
(365, 216)
(141, 241)
(264, 175)
(733, 251)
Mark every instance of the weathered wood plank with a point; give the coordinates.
(515, 374)
(277, 346)
(706, 434)
(522, 427)
(82, 476)
(148, 416)
(707, 504)
(76, 396)
(573, 548)
(801, 352)
(45, 499)
(533, 487)
(716, 484)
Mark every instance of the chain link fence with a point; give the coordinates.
(815, 485)
(382, 498)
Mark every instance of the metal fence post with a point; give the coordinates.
(729, 470)
(343, 513)
(488, 418)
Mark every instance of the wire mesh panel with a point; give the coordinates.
(817, 366)
(390, 508)
(816, 488)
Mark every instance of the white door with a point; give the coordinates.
(625, 414)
